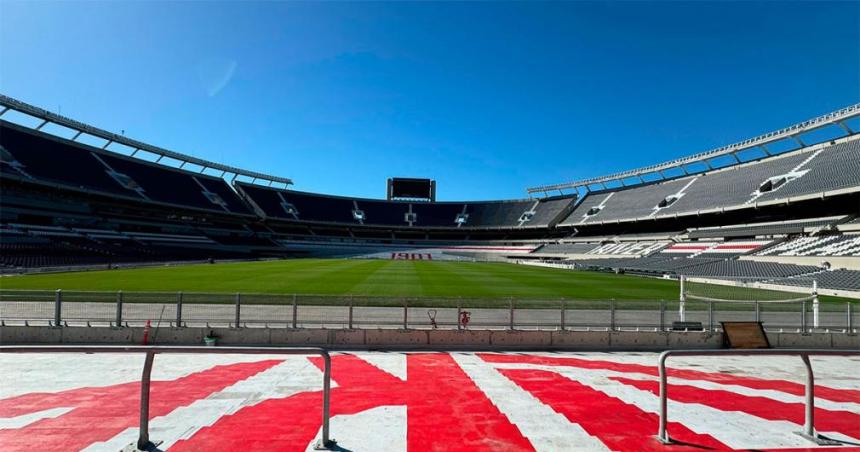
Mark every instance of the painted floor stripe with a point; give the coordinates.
(545, 428)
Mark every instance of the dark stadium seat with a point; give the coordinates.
(438, 214)
(57, 161)
(384, 212)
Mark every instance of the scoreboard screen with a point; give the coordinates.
(413, 189)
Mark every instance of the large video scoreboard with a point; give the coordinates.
(404, 188)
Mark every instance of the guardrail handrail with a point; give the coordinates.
(808, 431)
(143, 441)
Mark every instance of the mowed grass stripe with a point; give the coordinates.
(449, 280)
(392, 278)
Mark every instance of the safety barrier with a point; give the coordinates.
(143, 441)
(808, 431)
(179, 309)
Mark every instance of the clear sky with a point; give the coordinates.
(487, 98)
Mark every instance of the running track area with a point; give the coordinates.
(424, 402)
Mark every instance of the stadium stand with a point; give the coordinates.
(748, 269)
(68, 203)
(49, 159)
(803, 172)
(832, 168)
(835, 279)
(724, 249)
(590, 206)
(763, 229)
(566, 248)
(831, 245)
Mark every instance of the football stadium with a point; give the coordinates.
(159, 299)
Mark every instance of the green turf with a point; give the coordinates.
(362, 277)
(378, 278)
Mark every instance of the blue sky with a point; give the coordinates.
(487, 98)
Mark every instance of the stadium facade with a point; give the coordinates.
(752, 209)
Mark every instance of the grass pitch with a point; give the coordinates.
(363, 277)
(436, 283)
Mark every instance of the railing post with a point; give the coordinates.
(809, 411)
(459, 313)
(179, 310)
(295, 312)
(815, 317)
(349, 318)
(809, 395)
(711, 316)
(562, 314)
(143, 442)
(511, 313)
(757, 307)
(238, 308)
(803, 317)
(118, 319)
(58, 307)
(405, 313)
(325, 441)
(682, 308)
(611, 315)
(662, 315)
(662, 434)
(850, 318)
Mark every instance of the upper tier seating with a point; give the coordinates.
(796, 173)
(496, 213)
(548, 211)
(587, 208)
(440, 214)
(638, 203)
(292, 205)
(45, 158)
(836, 167)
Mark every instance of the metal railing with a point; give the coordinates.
(808, 431)
(179, 309)
(143, 441)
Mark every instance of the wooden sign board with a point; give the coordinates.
(744, 335)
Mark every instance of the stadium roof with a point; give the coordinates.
(7, 103)
(793, 132)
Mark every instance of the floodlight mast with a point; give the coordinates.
(8, 103)
(794, 132)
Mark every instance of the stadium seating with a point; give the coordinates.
(770, 228)
(438, 214)
(829, 245)
(806, 172)
(835, 279)
(566, 248)
(588, 207)
(52, 160)
(292, 205)
(835, 167)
